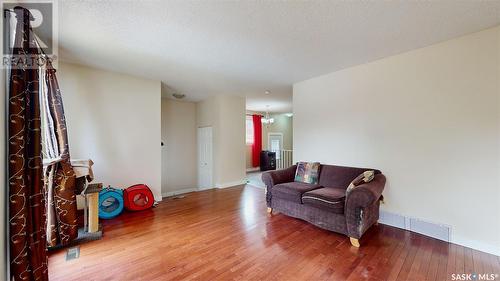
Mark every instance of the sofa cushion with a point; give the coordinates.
(307, 172)
(339, 176)
(292, 190)
(326, 198)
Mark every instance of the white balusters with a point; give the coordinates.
(284, 159)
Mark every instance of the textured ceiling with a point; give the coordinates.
(203, 48)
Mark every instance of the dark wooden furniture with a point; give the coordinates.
(267, 160)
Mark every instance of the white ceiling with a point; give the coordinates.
(203, 48)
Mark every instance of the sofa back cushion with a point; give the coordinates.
(339, 176)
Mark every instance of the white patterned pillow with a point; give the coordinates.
(366, 176)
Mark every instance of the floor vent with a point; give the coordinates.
(434, 230)
(73, 253)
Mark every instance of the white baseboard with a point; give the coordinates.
(230, 184)
(435, 230)
(255, 169)
(177, 192)
(476, 245)
(187, 190)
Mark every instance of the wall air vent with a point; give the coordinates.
(435, 230)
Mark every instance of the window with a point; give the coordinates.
(275, 145)
(250, 131)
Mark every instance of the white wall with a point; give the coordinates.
(179, 159)
(226, 115)
(429, 119)
(115, 120)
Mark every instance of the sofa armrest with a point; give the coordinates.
(362, 206)
(272, 178)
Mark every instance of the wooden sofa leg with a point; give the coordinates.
(354, 242)
(269, 210)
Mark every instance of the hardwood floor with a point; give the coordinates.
(226, 234)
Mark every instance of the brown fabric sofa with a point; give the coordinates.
(325, 204)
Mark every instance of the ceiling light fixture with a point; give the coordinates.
(267, 92)
(267, 120)
(178, 96)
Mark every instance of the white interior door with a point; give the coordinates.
(275, 143)
(205, 154)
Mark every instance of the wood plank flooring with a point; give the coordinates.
(226, 234)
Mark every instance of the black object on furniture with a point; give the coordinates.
(267, 160)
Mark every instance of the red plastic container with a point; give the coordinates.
(138, 197)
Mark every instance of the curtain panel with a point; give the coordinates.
(36, 116)
(257, 141)
(62, 227)
(27, 239)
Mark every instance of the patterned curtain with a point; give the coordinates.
(60, 179)
(36, 115)
(28, 254)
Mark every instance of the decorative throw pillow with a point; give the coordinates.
(307, 172)
(366, 176)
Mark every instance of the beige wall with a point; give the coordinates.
(226, 114)
(115, 120)
(282, 124)
(429, 119)
(498, 114)
(179, 159)
(206, 113)
(231, 141)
